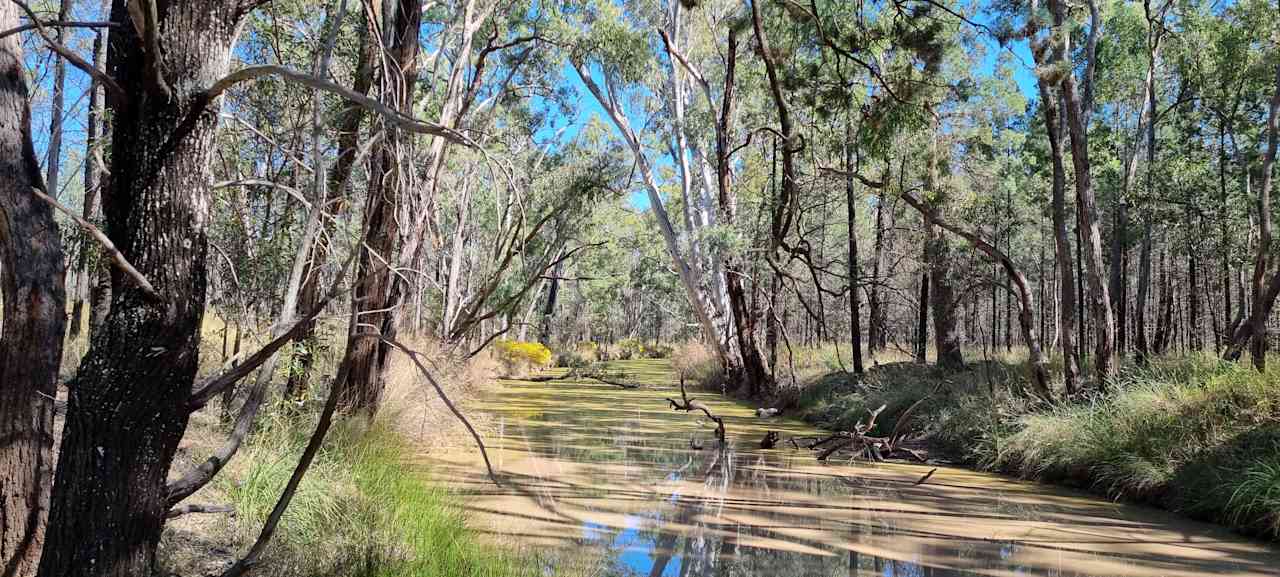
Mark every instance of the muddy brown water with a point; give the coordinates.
(610, 473)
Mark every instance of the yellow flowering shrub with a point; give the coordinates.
(519, 356)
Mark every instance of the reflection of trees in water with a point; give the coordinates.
(685, 534)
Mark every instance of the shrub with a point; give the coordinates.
(578, 356)
(521, 356)
(630, 349)
(698, 363)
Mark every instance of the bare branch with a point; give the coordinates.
(70, 55)
(116, 256)
(198, 508)
(401, 119)
(413, 356)
(57, 24)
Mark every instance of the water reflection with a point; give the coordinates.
(612, 472)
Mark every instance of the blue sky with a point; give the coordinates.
(585, 107)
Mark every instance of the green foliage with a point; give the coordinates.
(631, 349)
(359, 511)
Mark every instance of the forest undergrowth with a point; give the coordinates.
(1188, 433)
(363, 509)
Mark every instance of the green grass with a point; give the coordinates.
(1189, 433)
(359, 511)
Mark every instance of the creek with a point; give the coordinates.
(614, 473)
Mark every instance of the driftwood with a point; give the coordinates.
(688, 405)
(606, 377)
(927, 475)
(869, 447)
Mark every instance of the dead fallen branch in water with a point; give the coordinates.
(864, 446)
(688, 405)
(927, 475)
(607, 377)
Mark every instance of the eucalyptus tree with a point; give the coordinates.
(31, 333)
(612, 52)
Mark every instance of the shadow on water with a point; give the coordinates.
(611, 472)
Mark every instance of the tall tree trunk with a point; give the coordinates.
(377, 298)
(1086, 211)
(1164, 308)
(922, 319)
(1154, 34)
(1224, 234)
(127, 409)
(92, 182)
(876, 338)
(855, 304)
(1263, 292)
(734, 271)
(938, 254)
(33, 307)
(1194, 328)
(1051, 105)
(548, 312)
(339, 173)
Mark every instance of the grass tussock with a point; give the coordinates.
(1189, 433)
(359, 511)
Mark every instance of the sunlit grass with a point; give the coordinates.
(359, 511)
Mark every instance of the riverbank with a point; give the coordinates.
(1189, 434)
(364, 509)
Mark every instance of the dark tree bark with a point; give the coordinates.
(876, 337)
(378, 297)
(855, 303)
(743, 319)
(34, 300)
(1194, 332)
(548, 310)
(922, 320)
(1254, 330)
(127, 409)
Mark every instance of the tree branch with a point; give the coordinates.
(116, 256)
(401, 119)
(56, 24)
(70, 56)
(413, 356)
